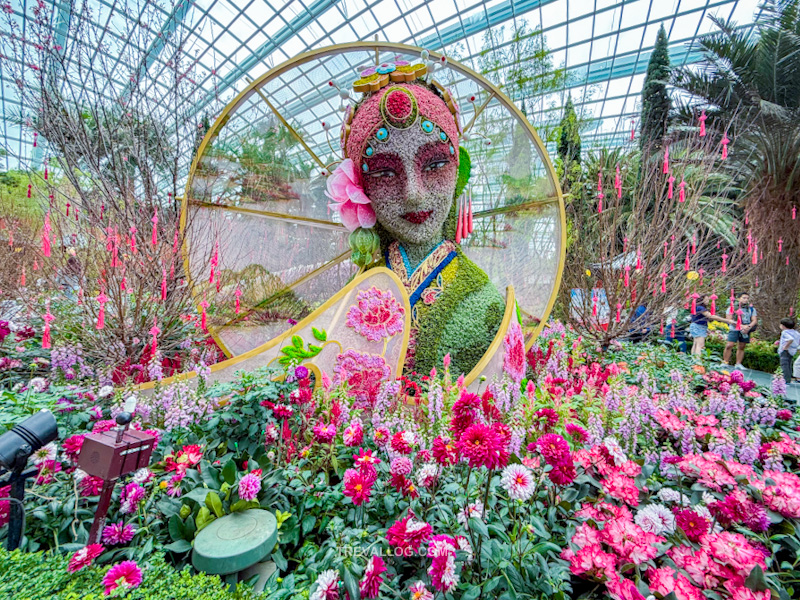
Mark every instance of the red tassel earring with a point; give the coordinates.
(469, 214)
(459, 223)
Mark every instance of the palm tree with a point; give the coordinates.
(749, 87)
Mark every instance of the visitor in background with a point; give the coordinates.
(740, 337)
(787, 347)
(698, 326)
(675, 326)
(638, 332)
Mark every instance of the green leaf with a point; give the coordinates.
(189, 528)
(755, 581)
(197, 494)
(389, 504)
(479, 526)
(471, 593)
(319, 335)
(313, 350)
(180, 546)
(308, 523)
(229, 472)
(214, 504)
(351, 585)
(543, 547)
(279, 560)
(297, 342)
(244, 505)
(515, 578)
(285, 360)
(175, 526)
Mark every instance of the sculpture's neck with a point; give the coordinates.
(416, 253)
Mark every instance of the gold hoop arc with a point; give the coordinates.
(376, 46)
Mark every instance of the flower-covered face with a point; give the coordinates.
(411, 180)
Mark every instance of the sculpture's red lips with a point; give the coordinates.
(417, 218)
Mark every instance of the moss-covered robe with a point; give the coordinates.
(455, 309)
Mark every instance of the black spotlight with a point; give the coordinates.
(16, 446)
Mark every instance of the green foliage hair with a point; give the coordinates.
(464, 170)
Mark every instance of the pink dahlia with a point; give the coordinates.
(514, 359)
(72, 446)
(131, 495)
(563, 473)
(323, 433)
(547, 417)
(5, 505)
(84, 557)
(118, 533)
(91, 486)
(483, 447)
(408, 533)
(517, 480)
(47, 471)
(463, 413)
(371, 583)
(619, 486)
(381, 436)
(444, 452)
(418, 591)
(327, 586)
(428, 475)
(403, 442)
(349, 199)
(692, 524)
(376, 315)
(249, 486)
(592, 562)
(553, 448)
(357, 487)
(354, 433)
(442, 550)
(623, 589)
(401, 465)
(578, 433)
(127, 574)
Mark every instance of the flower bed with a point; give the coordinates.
(632, 475)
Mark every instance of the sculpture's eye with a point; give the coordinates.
(382, 173)
(436, 165)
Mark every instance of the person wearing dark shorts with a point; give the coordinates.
(788, 346)
(739, 338)
(698, 327)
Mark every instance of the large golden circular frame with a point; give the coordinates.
(376, 46)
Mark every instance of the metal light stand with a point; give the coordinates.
(17, 479)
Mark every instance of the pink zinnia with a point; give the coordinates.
(371, 583)
(84, 557)
(483, 447)
(118, 533)
(126, 574)
(249, 487)
(408, 533)
(357, 487)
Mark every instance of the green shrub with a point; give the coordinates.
(759, 355)
(44, 576)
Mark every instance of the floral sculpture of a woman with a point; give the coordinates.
(398, 188)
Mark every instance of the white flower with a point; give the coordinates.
(517, 480)
(471, 510)
(45, 453)
(704, 512)
(38, 384)
(655, 518)
(327, 582)
(613, 447)
(463, 544)
(427, 475)
(105, 391)
(419, 591)
(78, 475)
(708, 498)
(671, 495)
(142, 475)
(409, 438)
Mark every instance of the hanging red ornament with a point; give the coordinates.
(132, 239)
(618, 184)
(203, 306)
(29, 190)
(724, 258)
(35, 139)
(102, 208)
(694, 244)
(154, 331)
(638, 259)
(739, 314)
(666, 160)
(725, 142)
(163, 284)
(68, 205)
(155, 226)
(702, 120)
(460, 223)
(627, 274)
(594, 303)
(214, 262)
(671, 181)
(682, 191)
(22, 278)
(666, 246)
(48, 318)
(672, 263)
(470, 225)
(794, 213)
(686, 262)
(101, 314)
(713, 304)
(619, 311)
(695, 296)
(238, 294)
(633, 129)
(661, 328)
(663, 283)
(755, 254)
(46, 247)
(175, 242)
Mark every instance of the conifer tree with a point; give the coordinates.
(656, 103)
(569, 147)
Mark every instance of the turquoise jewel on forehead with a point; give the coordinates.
(443, 136)
(369, 151)
(427, 126)
(382, 134)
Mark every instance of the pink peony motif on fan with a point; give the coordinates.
(349, 198)
(363, 374)
(514, 361)
(376, 315)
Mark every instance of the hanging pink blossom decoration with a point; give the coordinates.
(101, 314)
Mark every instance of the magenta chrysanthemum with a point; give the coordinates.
(376, 315)
(126, 574)
(118, 533)
(249, 487)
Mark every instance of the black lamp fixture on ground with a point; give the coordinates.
(16, 447)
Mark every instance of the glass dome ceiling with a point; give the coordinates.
(603, 45)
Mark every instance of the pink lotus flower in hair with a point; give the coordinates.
(349, 198)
